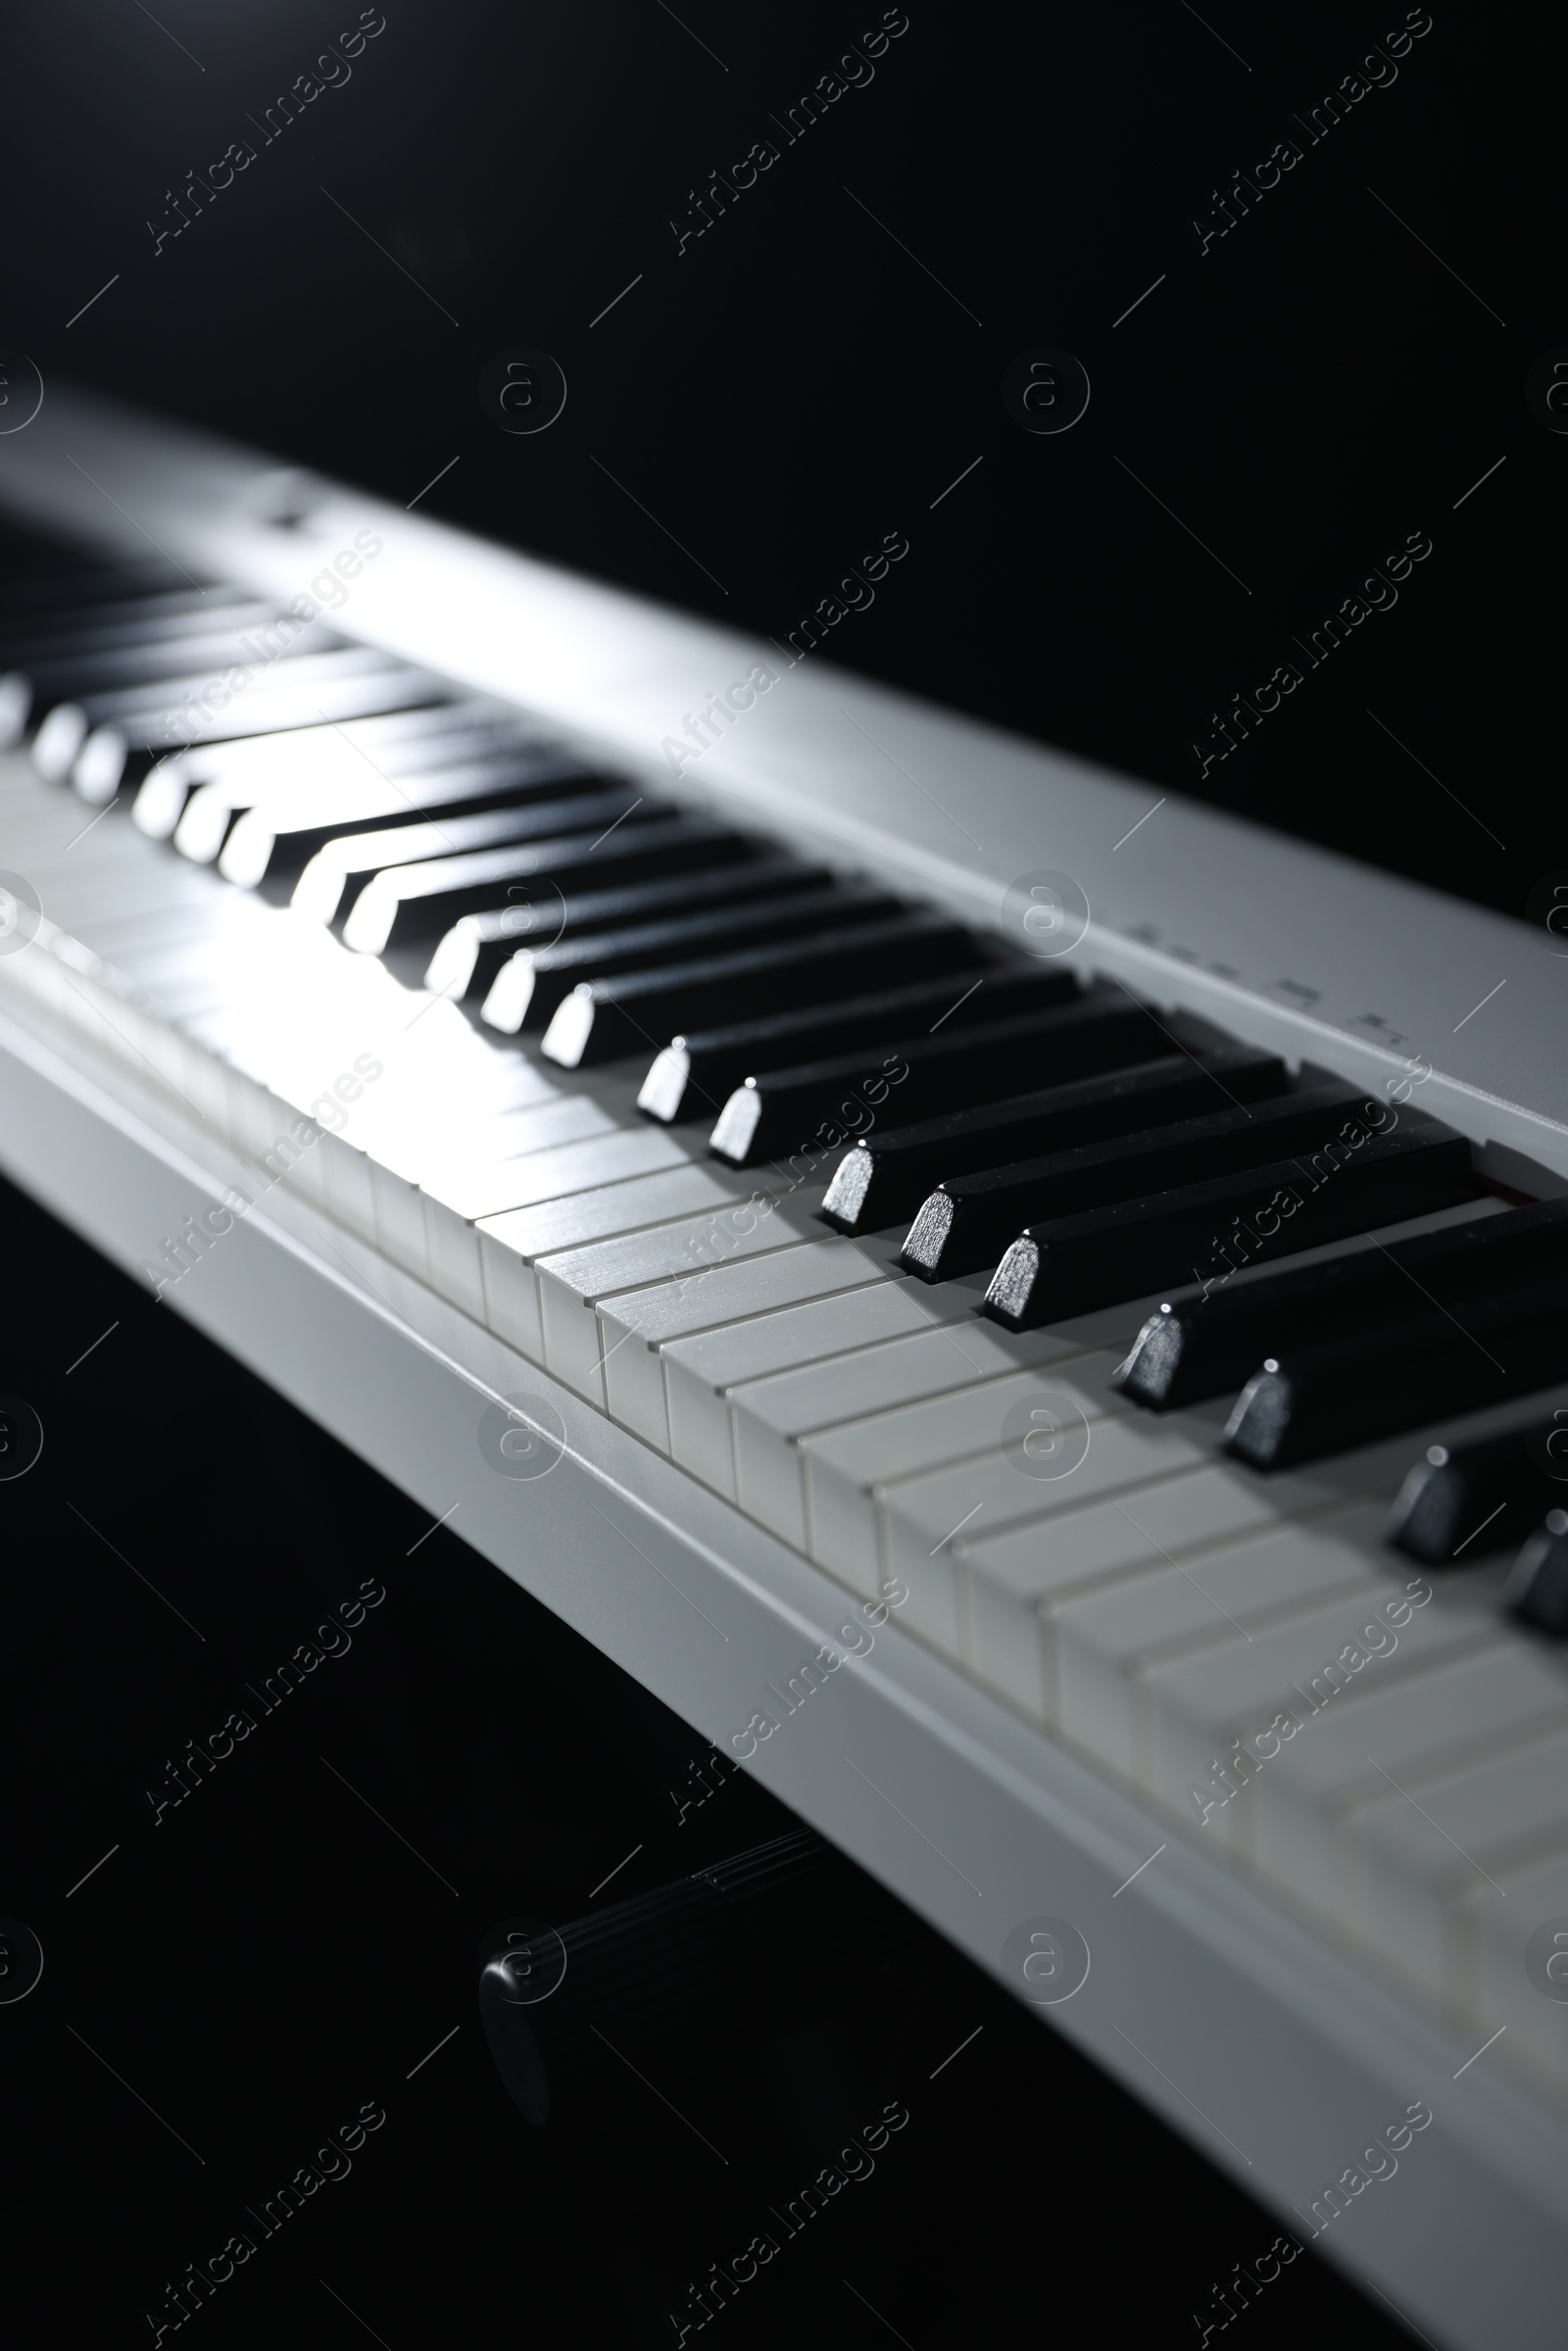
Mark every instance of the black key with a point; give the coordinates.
(101, 732)
(436, 890)
(343, 866)
(44, 628)
(408, 906)
(1349, 1392)
(1207, 1345)
(1468, 1500)
(253, 768)
(801, 1109)
(139, 713)
(604, 1020)
(537, 980)
(478, 947)
(967, 1223)
(693, 1077)
(269, 844)
(885, 1177)
(210, 645)
(1536, 1590)
(1106, 1255)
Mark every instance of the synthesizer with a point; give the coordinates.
(1026, 1312)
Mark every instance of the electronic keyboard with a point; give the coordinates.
(1026, 1312)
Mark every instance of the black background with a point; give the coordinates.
(1303, 395)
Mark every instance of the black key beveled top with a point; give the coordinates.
(1134, 1245)
(967, 1223)
(801, 1109)
(1205, 1343)
(1465, 1501)
(693, 1077)
(1344, 1393)
(403, 907)
(885, 1177)
(1537, 1590)
(603, 1021)
(478, 947)
(537, 981)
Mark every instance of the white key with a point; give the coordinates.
(1102, 1647)
(1190, 1711)
(1292, 1818)
(835, 1500)
(1004, 1578)
(454, 1205)
(702, 1372)
(1423, 1866)
(1517, 1944)
(869, 1514)
(511, 1245)
(571, 1284)
(639, 1327)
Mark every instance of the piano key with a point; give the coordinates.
(120, 660)
(940, 1466)
(780, 1110)
(748, 1302)
(250, 768)
(36, 676)
(116, 757)
(1207, 1345)
(694, 1076)
(967, 1223)
(923, 1523)
(1316, 1400)
(1003, 1584)
(274, 839)
(602, 1021)
(1134, 1245)
(1296, 1813)
(406, 905)
(1108, 1644)
(1475, 1499)
(537, 980)
(1188, 1710)
(1426, 1866)
(1536, 1590)
(753, 1367)
(511, 1244)
(572, 1284)
(478, 947)
(454, 1207)
(331, 882)
(1535, 1891)
(885, 1177)
(346, 684)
